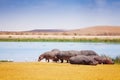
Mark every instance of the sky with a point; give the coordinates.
(19, 15)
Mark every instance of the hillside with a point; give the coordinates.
(97, 30)
(89, 31)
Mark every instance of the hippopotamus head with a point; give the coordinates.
(40, 57)
(108, 61)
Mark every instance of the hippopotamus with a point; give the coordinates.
(102, 60)
(56, 50)
(99, 59)
(82, 59)
(49, 55)
(65, 55)
(107, 61)
(87, 53)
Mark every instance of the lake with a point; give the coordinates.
(30, 51)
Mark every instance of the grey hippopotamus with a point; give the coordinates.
(103, 60)
(49, 55)
(90, 60)
(87, 53)
(82, 59)
(66, 55)
(107, 61)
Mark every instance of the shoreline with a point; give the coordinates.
(58, 38)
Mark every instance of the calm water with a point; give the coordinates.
(29, 51)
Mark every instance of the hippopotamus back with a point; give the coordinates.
(88, 53)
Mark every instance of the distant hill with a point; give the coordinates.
(97, 30)
(89, 31)
(46, 30)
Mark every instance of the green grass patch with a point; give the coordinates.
(5, 61)
(59, 40)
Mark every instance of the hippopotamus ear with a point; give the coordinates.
(55, 50)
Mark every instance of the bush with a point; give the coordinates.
(117, 59)
(5, 61)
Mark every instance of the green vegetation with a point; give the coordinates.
(5, 61)
(59, 40)
(117, 60)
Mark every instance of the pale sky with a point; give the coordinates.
(57, 14)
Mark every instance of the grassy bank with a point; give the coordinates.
(5, 61)
(57, 71)
(59, 40)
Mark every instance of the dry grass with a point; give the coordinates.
(57, 71)
(55, 37)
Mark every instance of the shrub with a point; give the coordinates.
(117, 59)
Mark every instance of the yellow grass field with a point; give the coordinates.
(57, 71)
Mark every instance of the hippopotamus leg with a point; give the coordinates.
(67, 61)
(46, 59)
(55, 60)
(61, 60)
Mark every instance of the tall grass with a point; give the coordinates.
(117, 59)
(59, 40)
